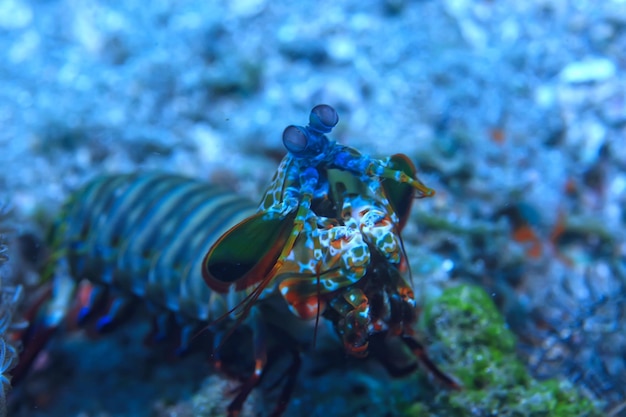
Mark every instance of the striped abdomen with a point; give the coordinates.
(146, 234)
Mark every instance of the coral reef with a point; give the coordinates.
(9, 299)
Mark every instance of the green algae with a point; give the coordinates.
(475, 345)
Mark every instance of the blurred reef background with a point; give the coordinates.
(513, 111)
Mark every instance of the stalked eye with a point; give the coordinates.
(295, 139)
(323, 118)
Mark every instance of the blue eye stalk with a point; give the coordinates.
(310, 150)
(311, 141)
(323, 118)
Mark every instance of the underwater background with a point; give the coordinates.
(514, 112)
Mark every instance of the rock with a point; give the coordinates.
(588, 70)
